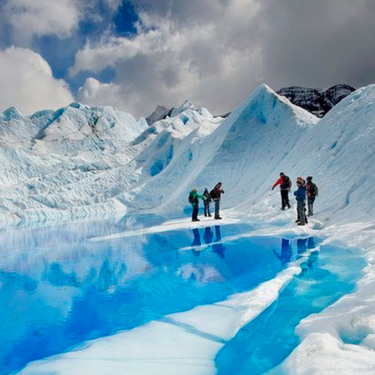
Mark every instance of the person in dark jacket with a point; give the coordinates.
(207, 202)
(195, 203)
(285, 185)
(300, 195)
(217, 191)
(312, 192)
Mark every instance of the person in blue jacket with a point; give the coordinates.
(300, 195)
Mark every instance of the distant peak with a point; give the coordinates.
(78, 105)
(160, 113)
(12, 113)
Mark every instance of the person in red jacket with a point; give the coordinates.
(285, 185)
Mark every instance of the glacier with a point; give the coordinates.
(80, 163)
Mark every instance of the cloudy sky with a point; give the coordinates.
(136, 54)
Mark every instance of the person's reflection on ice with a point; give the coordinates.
(217, 247)
(196, 241)
(285, 255)
(208, 235)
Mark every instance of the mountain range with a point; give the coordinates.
(81, 161)
(316, 101)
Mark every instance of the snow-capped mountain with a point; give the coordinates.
(316, 101)
(81, 161)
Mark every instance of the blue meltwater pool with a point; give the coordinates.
(63, 285)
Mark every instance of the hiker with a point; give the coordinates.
(193, 199)
(303, 182)
(312, 193)
(207, 202)
(285, 185)
(215, 195)
(300, 195)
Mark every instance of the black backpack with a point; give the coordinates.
(286, 183)
(213, 194)
(190, 198)
(314, 190)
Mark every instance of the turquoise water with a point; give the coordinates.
(269, 339)
(58, 288)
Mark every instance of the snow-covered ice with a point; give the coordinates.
(81, 162)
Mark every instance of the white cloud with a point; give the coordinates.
(95, 93)
(169, 61)
(41, 17)
(216, 52)
(107, 54)
(113, 4)
(27, 82)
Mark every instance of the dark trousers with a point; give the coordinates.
(207, 208)
(194, 215)
(217, 208)
(284, 198)
(301, 212)
(310, 204)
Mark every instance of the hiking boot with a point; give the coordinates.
(195, 220)
(289, 206)
(218, 218)
(283, 208)
(300, 223)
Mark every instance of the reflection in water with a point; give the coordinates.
(208, 235)
(268, 339)
(286, 253)
(310, 243)
(196, 241)
(218, 247)
(301, 245)
(57, 277)
(58, 289)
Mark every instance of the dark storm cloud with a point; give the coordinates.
(305, 42)
(213, 52)
(318, 43)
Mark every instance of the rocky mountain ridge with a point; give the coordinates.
(316, 101)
